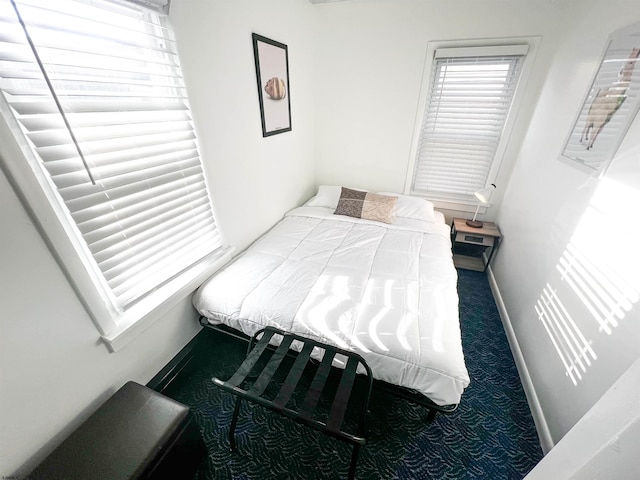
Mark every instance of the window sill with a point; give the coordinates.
(146, 312)
(453, 205)
(459, 206)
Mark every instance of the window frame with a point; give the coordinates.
(503, 145)
(59, 233)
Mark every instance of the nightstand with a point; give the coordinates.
(473, 247)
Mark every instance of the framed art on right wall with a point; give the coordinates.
(611, 103)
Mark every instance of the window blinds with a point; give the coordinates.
(469, 98)
(114, 69)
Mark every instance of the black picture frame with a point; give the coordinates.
(272, 74)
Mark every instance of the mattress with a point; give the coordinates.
(385, 291)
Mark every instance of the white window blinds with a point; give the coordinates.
(469, 98)
(113, 66)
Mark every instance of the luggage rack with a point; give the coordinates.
(380, 385)
(256, 374)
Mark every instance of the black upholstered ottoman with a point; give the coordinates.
(137, 433)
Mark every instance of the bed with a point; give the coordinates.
(380, 284)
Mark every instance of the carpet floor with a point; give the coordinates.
(490, 436)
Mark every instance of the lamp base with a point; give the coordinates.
(474, 223)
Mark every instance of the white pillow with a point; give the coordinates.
(327, 196)
(412, 207)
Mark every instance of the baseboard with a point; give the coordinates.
(546, 442)
(178, 364)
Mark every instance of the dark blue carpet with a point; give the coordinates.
(490, 436)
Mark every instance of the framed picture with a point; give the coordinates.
(272, 72)
(611, 103)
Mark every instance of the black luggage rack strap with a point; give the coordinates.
(254, 375)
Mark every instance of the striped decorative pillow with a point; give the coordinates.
(370, 206)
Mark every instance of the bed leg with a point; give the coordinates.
(432, 415)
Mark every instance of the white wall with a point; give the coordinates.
(355, 71)
(54, 369)
(252, 178)
(604, 443)
(549, 201)
(371, 56)
(370, 59)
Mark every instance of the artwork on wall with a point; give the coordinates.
(611, 103)
(272, 72)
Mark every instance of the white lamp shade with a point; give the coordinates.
(485, 193)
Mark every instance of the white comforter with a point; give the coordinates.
(386, 291)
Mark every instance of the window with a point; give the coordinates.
(93, 92)
(470, 95)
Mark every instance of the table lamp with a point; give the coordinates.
(483, 196)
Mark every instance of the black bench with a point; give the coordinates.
(138, 433)
(257, 373)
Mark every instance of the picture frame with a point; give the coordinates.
(611, 103)
(272, 74)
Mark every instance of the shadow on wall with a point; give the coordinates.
(597, 283)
